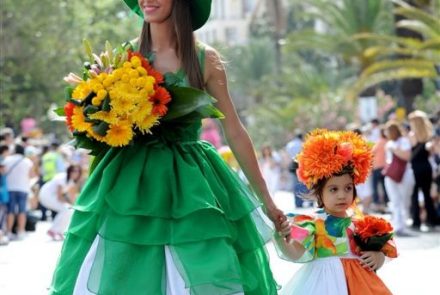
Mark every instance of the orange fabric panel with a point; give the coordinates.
(361, 281)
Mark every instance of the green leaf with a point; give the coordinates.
(88, 99)
(59, 111)
(101, 128)
(90, 109)
(106, 104)
(109, 50)
(185, 101)
(75, 102)
(88, 49)
(81, 140)
(68, 92)
(172, 79)
(208, 111)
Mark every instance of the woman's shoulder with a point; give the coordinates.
(212, 56)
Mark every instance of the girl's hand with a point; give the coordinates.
(372, 260)
(285, 230)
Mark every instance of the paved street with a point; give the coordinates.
(26, 266)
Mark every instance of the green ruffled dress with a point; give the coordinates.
(170, 190)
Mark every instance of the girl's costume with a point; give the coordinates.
(165, 216)
(332, 267)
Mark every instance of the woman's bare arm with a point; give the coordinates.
(236, 135)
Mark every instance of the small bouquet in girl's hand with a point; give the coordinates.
(120, 97)
(372, 233)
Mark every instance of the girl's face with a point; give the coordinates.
(338, 195)
(156, 11)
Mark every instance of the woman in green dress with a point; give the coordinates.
(168, 216)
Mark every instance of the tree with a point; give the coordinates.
(41, 41)
(406, 56)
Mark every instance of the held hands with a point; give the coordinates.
(277, 216)
(372, 260)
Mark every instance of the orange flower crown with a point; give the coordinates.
(326, 153)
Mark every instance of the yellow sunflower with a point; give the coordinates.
(119, 134)
(78, 120)
(122, 103)
(144, 110)
(81, 91)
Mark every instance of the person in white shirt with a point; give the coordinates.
(400, 192)
(19, 171)
(58, 194)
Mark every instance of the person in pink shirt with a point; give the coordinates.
(379, 201)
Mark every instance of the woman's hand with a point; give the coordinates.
(372, 260)
(277, 216)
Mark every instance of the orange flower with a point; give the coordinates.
(160, 98)
(328, 152)
(68, 110)
(372, 226)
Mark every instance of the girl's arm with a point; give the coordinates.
(292, 249)
(237, 137)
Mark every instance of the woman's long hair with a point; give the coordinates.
(421, 126)
(70, 170)
(185, 45)
(393, 130)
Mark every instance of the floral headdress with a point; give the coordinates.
(326, 153)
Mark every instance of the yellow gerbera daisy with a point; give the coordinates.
(147, 123)
(78, 120)
(120, 134)
(81, 91)
(144, 110)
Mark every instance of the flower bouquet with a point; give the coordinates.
(120, 97)
(372, 233)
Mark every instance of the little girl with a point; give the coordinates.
(331, 164)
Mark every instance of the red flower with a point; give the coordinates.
(68, 110)
(371, 226)
(160, 99)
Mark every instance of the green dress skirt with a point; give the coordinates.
(171, 191)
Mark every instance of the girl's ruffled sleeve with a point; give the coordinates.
(302, 230)
(389, 249)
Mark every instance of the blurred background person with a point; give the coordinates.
(52, 162)
(19, 171)
(270, 168)
(380, 197)
(7, 138)
(59, 194)
(364, 190)
(420, 136)
(293, 148)
(399, 192)
(211, 132)
(4, 200)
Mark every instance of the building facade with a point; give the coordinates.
(229, 22)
